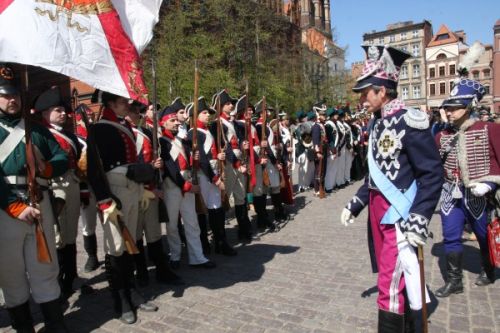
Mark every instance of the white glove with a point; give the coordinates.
(112, 213)
(479, 189)
(147, 196)
(346, 217)
(414, 239)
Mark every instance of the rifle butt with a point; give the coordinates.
(129, 241)
(201, 207)
(225, 201)
(42, 248)
(265, 177)
(420, 255)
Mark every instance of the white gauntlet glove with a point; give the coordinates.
(147, 196)
(112, 213)
(414, 239)
(479, 189)
(346, 217)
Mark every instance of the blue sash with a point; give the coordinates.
(400, 202)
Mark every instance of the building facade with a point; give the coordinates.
(496, 68)
(442, 56)
(413, 38)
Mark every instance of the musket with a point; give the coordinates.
(420, 252)
(155, 120)
(34, 193)
(286, 187)
(279, 151)
(220, 164)
(263, 152)
(125, 233)
(201, 208)
(321, 176)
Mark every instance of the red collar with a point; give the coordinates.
(201, 125)
(168, 134)
(224, 116)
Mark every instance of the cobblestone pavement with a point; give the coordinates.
(313, 275)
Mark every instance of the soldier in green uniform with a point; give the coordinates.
(26, 276)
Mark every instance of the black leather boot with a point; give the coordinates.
(487, 275)
(137, 299)
(221, 244)
(53, 317)
(279, 210)
(263, 221)
(205, 244)
(389, 322)
(454, 280)
(244, 226)
(90, 246)
(20, 317)
(163, 273)
(70, 270)
(61, 256)
(121, 297)
(141, 267)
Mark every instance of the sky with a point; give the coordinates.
(352, 18)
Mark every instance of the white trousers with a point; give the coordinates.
(67, 188)
(21, 273)
(235, 183)
(148, 223)
(349, 157)
(209, 192)
(306, 170)
(88, 217)
(128, 192)
(331, 172)
(185, 205)
(339, 180)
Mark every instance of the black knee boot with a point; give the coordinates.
(487, 275)
(217, 220)
(163, 273)
(20, 317)
(202, 222)
(70, 269)
(137, 299)
(279, 210)
(263, 221)
(53, 317)
(121, 297)
(141, 267)
(389, 322)
(90, 246)
(454, 279)
(244, 226)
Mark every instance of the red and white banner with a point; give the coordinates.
(94, 41)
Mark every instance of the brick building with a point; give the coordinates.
(496, 68)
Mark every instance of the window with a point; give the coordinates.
(381, 40)
(486, 73)
(403, 35)
(416, 70)
(442, 37)
(441, 71)
(415, 33)
(392, 38)
(432, 89)
(451, 85)
(452, 69)
(404, 91)
(416, 50)
(416, 91)
(441, 56)
(442, 88)
(404, 72)
(475, 75)
(432, 72)
(486, 90)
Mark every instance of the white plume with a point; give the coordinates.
(471, 56)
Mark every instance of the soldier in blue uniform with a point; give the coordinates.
(23, 276)
(470, 150)
(401, 190)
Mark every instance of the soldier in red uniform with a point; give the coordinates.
(66, 188)
(470, 151)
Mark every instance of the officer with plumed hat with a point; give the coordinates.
(402, 157)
